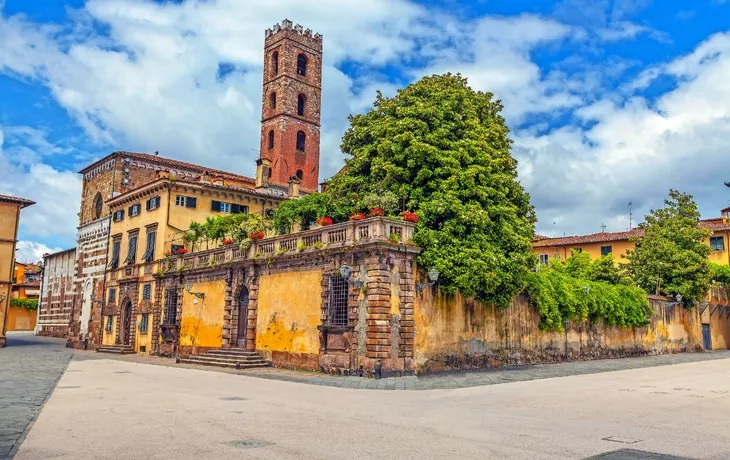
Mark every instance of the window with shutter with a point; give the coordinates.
(179, 200)
(132, 255)
(134, 210)
(215, 205)
(112, 295)
(149, 253)
(118, 216)
(114, 263)
(191, 202)
(144, 323)
(153, 203)
(147, 291)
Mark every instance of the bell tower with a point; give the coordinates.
(291, 109)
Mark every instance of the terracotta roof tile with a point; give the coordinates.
(16, 199)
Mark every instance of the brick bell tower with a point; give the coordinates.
(291, 109)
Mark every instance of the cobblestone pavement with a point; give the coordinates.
(29, 369)
(438, 381)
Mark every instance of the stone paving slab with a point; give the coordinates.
(436, 381)
(29, 369)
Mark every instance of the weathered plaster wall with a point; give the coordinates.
(20, 319)
(202, 319)
(109, 338)
(143, 339)
(716, 312)
(455, 333)
(289, 311)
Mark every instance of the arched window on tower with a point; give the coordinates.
(271, 139)
(275, 62)
(272, 100)
(301, 140)
(301, 100)
(98, 205)
(302, 65)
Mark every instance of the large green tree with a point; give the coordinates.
(671, 257)
(443, 150)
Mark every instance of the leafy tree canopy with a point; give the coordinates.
(671, 257)
(441, 149)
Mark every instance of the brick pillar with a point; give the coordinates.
(378, 338)
(407, 323)
(253, 295)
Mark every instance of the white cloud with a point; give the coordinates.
(31, 252)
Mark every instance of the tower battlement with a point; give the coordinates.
(288, 27)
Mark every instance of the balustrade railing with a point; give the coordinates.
(332, 236)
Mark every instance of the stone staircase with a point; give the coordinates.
(235, 358)
(116, 349)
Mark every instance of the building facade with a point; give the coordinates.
(56, 294)
(10, 208)
(25, 292)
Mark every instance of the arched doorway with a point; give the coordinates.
(242, 317)
(124, 334)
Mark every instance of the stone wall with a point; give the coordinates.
(57, 294)
(457, 333)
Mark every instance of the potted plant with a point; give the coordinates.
(377, 212)
(357, 216)
(324, 221)
(182, 251)
(227, 241)
(255, 236)
(409, 216)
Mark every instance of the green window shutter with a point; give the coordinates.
(191, 202)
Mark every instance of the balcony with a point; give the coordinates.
(346, 234)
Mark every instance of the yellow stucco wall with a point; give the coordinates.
(109, 338)
(140, 222)
(8, 229)
(202, 319)
(449, 325)
(20, 319)
(143, 339)
(720, 257)
(289, 311)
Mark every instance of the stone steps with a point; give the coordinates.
(116, 349)
(232, 358)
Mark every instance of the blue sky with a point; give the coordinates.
(609, 101)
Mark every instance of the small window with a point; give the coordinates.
(110, 323)
(606, 250)
(239, 209)
(301, 100)
(271, 139)
(119, 215)
(220, 206)
(300, 174)
(578, 250)
(275, 62)
(98, 205)
(144, 323)
(186, 201)
(544, 258)
(180, 201)
(717, 243)
(153, 203)
(112, 295)
(301, 140)
(272, 100)
(337, 301)
(134, 210)
(147, 291)
(302, 65)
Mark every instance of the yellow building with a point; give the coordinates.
(617, 243)
(10, 207)
(148, 224)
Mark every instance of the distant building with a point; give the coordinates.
(57, 294)
(10, 207)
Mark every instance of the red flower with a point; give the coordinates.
(168, 254)
(256, 236)
(324, 221)
(181, 251)
(357, 216)
(227, 241)
(409, 216)
(376, 212)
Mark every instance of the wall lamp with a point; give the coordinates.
(3, 296)
(433, 275)
(189, 288)
(345, 272)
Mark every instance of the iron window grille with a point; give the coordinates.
(114, 263)
(144, 323)
(606, 250)
(109, 323)
(171, 306)
(147, 291)
(112, 295)
(337, 300)
(717, 243)
(149, 254)
(132, 255)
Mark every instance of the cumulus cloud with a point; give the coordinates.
(29, 252)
